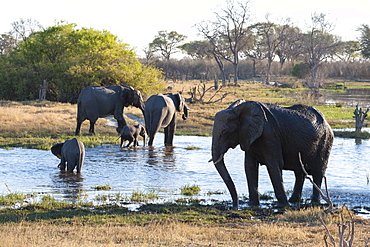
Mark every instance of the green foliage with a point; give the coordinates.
(365, 40)
(300, 70)
(70, 59)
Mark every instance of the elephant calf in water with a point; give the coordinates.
(131, 133)
(71, 151)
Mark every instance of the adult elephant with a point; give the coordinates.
(273, 136)
(97, 102)
(160, 112)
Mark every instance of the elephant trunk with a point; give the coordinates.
(218, 160)
(185, 115)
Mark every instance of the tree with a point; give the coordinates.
(318, 46)
(197, 49)
(70, 59)
(166, 43)
(6, 44)
(365, 40)
(229, 33)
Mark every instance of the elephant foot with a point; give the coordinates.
(253, 203)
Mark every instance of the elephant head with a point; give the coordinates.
(131, 96)
(242, 123)
(180, 104)
(57, 149)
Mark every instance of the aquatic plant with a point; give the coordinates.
(190, 190)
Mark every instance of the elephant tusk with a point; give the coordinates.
(217, 161)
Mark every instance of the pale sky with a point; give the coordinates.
(136, 22)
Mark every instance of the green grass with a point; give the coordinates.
(190, 190)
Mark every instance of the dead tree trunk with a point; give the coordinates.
(360, 117)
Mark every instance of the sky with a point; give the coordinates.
(137, 22)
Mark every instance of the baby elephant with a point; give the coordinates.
(72, 152)
(131, 133)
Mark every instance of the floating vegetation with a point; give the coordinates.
(103, 187)
(191, 148)
(190, 190)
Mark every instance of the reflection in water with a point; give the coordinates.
(69, 184)
(162, 158)
(167, 170)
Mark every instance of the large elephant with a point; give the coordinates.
(71, 152)
(160, 112)
(96, 102)
(273, 136)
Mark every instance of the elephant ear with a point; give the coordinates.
(127, 96)
(252, 117)
(178, 101)
(57, 149)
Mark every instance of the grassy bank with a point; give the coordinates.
(53, 224)
(40, 124)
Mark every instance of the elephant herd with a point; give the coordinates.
(296, 138)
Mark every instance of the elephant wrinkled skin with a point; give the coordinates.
(273, 136)
(160, 112)
(97, 102)
(71, 152)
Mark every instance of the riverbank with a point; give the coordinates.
(40, 124)
(53, 224)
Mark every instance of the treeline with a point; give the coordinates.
(69, 59)
(235, 47)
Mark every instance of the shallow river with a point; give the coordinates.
(165, 172)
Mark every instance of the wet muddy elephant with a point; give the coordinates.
(131, 134)
(160, 112)
(273, 136)
(71, 152)
(97, 102)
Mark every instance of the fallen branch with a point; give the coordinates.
(345, 240)
(326, 198)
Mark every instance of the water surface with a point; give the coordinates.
(141, 169)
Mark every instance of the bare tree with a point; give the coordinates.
(23, 28)
(318, 47)
(229, 33)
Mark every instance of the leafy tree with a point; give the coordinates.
(166, 43)
(198, 49)
(365, 40)
(70, 59)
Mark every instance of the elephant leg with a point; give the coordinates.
(298, 186)
(129, 141)
(92, 127)
(62, 164)
(251, 171)
(276, 177)
(122, 140)
(78, 128)
(169, 132)
(121, 123)
(317, 178)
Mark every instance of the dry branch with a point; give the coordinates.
(326, 198)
